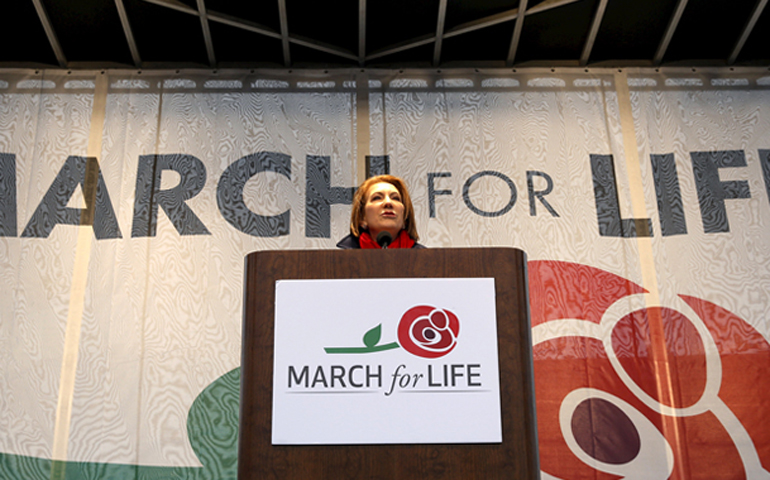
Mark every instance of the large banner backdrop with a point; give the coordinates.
(128, 201)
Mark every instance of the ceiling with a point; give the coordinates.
(148, 34)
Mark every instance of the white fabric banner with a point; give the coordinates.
(128, 201)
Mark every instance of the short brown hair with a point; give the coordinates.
(360, 197)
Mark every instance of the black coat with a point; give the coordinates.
(351, 242)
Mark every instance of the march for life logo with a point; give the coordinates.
(666, 389)
(384, 361)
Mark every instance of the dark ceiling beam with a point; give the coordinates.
(206, 33)
(269, 32)
(516, 33)
(322, 47)
(174, 5)
(400, 47)
(243, 24)
(361, 32)
(549, 4)
(761, 4)
(595, 24)
(361, 58)
(219, 18)
(669, 34)
(129, 33)
(260, 29)
(503, 17)
(485, 22)
(439, 32)
(284, 21)
(50, 33)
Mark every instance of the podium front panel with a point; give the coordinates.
(515, 457)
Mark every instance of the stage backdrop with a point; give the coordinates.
(128, 201)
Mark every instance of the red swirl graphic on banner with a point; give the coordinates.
(618, 393)
(428, 332)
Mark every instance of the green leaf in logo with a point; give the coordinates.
(372, 337)
(371, 340)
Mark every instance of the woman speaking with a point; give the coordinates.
(382, 216)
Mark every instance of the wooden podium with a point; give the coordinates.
(516, 457)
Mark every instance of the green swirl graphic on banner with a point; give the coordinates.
(212, 429)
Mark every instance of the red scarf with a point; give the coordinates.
(403, 240)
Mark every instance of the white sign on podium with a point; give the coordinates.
(384, 361)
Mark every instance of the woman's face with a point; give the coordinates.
(384, 210)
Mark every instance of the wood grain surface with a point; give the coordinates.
(515, 457)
